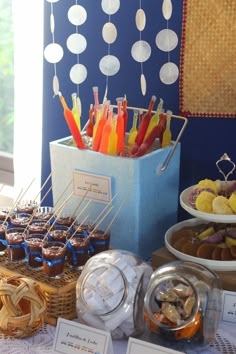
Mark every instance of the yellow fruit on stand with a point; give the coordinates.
(232, 202)
(204, 202)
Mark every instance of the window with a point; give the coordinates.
(23, 131)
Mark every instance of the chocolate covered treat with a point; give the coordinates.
(78, 250)
(99, 241)
(34, 250)
(3, 228)
(53, 258)
(15, 244)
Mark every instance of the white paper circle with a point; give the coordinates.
(77, 15)
(110, 7)
(140, 19)
(78, 73)
(166, 40)
(52, 0)
(143, 84)
(53, 53)
(109, 33)
(76, 43)
(52, 23)
(169, 73)
(141, 51)
(167, 9)
(109, 65)
(55, 85)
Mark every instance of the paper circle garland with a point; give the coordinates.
(78, 73)
(141, 51)
(109, 33)
(109, 65)
(110, 7)
(52, 0)
(169, 73)
(76, 43)
(53, 53)
(166, 40)
(77, 15)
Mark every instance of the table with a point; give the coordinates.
(42, 342)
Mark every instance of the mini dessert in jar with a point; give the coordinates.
(34, 250)
(100, 241)
(65, 220)
(20, 219)
(27, 207)
(3, 228)
(53, 253)
(78, 250)
(15, 244)
(59, 233)
(38, 227)
(5, 214)
(43, 213)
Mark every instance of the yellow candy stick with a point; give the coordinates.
(166, 140)
(112, 142)
(155, 118)
(133, 131)
(75, 110)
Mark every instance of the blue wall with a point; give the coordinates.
(205, 139)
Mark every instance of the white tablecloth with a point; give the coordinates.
(42, 343)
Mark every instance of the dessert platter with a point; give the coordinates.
(210, 237)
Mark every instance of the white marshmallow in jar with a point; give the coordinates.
(183, 305)
(110, 293)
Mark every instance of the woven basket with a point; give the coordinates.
(22, 307)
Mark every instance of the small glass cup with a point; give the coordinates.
(53, 253)
(65, 220)
(59, 233)
(5, 213)
(3, 228)
(20, 220)
(15, 244)
(34, 251)
(26, 206)
(78, 250)
(100, 241)
(43, 213)
(38, 227)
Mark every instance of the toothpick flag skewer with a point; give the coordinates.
(114, 217)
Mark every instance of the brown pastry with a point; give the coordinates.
(226, 254)
(205, 250)
(216, 254)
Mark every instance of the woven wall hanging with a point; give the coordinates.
(208, 59)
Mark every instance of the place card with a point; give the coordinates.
(75, 338)
(137, 346)
(229, 307)
(96, 187)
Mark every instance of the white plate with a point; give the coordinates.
(213, 265)
(184, 202)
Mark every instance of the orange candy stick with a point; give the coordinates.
(106, 134)
(125, 114)
(112, 143)
(155, 118)
(75, 110)
(99, 131)
(120, 126)
(72, 124)
(143, 126)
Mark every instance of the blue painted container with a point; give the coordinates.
(151, 195)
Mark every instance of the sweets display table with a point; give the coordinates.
(42, 343)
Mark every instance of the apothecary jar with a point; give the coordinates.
(183, 305)
(110, 293)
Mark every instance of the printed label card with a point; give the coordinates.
(229, 307)
(76, 338)
(137, 346)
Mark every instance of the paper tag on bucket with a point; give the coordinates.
(96, 187)
(75, 338)
(137, 346)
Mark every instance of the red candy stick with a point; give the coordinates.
(120, 131)
(99, 131)
(125, 114)
(143, 126)
(89, 127)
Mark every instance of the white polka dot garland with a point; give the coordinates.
(141, 50)
(53, 52)
(109, 65)
(167, 40)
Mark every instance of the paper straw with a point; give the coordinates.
(113, 219)
(81, 201)
(49, 176)
(89, 202)
(26, 190)
(59, 209)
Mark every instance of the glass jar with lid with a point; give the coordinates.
(110, 293)
(183, 305)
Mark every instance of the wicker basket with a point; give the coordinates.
(60, 294)
(22, 307)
